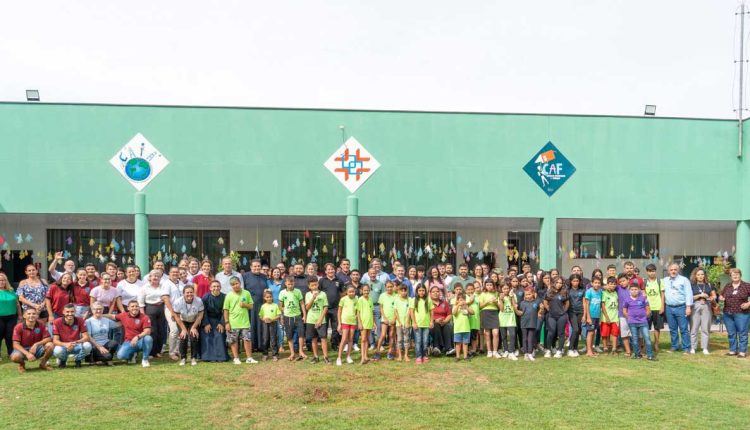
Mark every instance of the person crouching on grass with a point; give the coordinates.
(31, 341)
(236, 306)
(347, 323)
(461, 326)
(365, 321)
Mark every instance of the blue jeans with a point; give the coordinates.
(638, 330)
(81, 350)
(677, 320)
(126, 351)
(375, 333)
(421, 339)
(737, 331)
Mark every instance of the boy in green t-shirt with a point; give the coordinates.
(655, 296)
(403, 327)
(609, 325)
(461, 325)
(294, 313)
(269, 316)
(316, 303)
(387, 321)
(237, 305)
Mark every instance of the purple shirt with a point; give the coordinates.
(636, 309)
(622, 296)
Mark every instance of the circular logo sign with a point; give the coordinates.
(138, 169)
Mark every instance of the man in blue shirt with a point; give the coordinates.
(678, 298)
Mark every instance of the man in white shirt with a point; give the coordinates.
(227, 272)
(173, 285)
(68, 267)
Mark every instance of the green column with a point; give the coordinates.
(547, 242)
(352, 230)
(141, 233)
(742, 252)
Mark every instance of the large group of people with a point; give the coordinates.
(91, 317)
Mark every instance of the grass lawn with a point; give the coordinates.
(676, 392)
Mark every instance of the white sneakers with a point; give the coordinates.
(349, 360)
(558, 354)
(193, 362)
(145, 363)
(251, 360)
(547, 353)
(236, 361)
(356, 347)
(496, 354)
(573, 353)
(489, 354)
(705, 351)
(505, 354)
(182, 362)
(512, 357)
(338, 362)
(692, 351)
(597, 350)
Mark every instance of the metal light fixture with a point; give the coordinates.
(32, 95)
(650, 110)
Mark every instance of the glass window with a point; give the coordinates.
(312, 246)
(612, 245)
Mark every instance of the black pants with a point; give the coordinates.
(158, 327)
(110, 346)
(556, 330)
(508, 335)
(195, 345)
(519, 334)
(332, 319)
(7, 323)
(575, 330)
(442, 337)
(529, 340)
(270, 342)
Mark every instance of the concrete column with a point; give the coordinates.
(141, 233)
(352, 230)
(547, 242)
(742, 252)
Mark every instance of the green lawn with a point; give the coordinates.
(676, 392)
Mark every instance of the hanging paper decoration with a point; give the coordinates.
(632, 247)
(309, 253)
(363, 255)
(315, 252)
(112, 257)
(275, 243)
(158, 255)
(297, 242)
(28, 237)
(244, 261)
(69, 240)
(459, 239)
(611, 251)
(480, 255)
(381, 247)
(363, 246)
(7, 256)
(643, 252)
(19, 238)
(242, 242)
(220, 241)
(505, 243)
(468, 244)
(174, 239)
(50, 257)
(283, 252)
(325, 249)
(572, 254)
(597, 255)
(183, 249)
(223, 252)
(486, 247)
(294, 261)
(193, 244)
(419, 253)
(333, 239)
(428, 249)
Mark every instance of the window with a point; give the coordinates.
(306, 246)
(102, 246)
(612, 245)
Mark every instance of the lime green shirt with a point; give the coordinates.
(348, 310)
(291, 301)
(422, 313)
(320, 303)
(474, 319)
(485, 297)
(610, 302)
(653, 293)
(269, 310)
(239, 317)
(364, 310)
(461, 320)
(386, 306)
(401, 309)
(507, 316)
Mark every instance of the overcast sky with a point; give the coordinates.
(582, 56)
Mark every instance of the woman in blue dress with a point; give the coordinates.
(214, 339)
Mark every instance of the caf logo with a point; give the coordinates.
(138, 322)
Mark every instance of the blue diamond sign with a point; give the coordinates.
(549, 168)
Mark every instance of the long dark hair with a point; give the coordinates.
(70, 289)
(417, 299)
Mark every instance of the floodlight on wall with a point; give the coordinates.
(32, 95)
(650, 110)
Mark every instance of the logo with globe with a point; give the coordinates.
(138, 169)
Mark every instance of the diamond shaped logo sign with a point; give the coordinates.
(351, 164)
(139, 162)
(549, 168)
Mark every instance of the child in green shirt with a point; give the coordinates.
(420, 309)
(461, 324)
(365, 321)
(269, 316)
(316, 304)
(347, 323)
(403, 327)
(236, 306)
(387, 321)
(294, 313)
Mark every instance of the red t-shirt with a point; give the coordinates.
(637, 280)
(68, 333)
(202, 285)
(29, 336)
(133, 325)
(82, 294)
(58, 299)
(441, 310)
